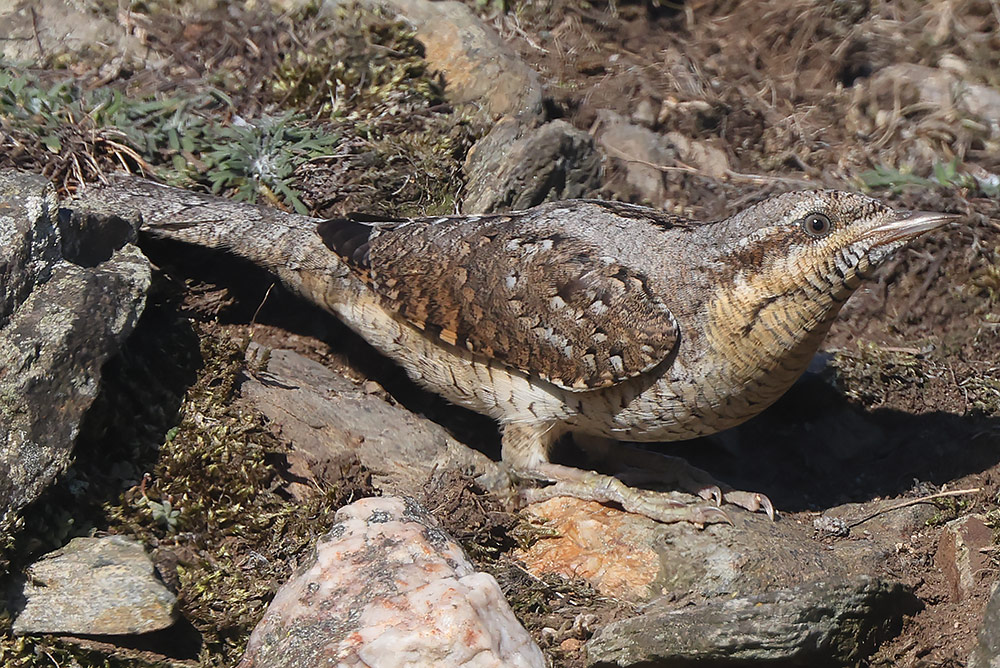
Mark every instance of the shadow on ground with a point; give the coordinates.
(814, 450)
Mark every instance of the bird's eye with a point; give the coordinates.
(817, 224)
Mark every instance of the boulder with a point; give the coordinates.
(72, 287)
(387, 587)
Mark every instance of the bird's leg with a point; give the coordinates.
(638, 466)
(526, 452)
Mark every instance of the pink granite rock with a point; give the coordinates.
(387, 587)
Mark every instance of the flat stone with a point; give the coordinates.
(631, 557)
(94, 586)
(326, 417)
(387, 587)
(825, 623)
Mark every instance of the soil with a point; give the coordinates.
(905, 399)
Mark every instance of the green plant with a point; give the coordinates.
(254, 160)
(75, 136)
(943, 174)
(163, 512)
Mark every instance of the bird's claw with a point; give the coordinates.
(752, 501)
(711, 493)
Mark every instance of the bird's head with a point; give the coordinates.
(818, 241)
(784, 267)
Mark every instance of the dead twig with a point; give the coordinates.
(913, 502)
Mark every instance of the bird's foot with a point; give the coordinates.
(645, 467)
(591, 486)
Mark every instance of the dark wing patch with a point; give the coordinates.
(532, 298)
(645, 214)
(348, 238)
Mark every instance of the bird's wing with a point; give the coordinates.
(525, 295)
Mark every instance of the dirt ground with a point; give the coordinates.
(790, 91)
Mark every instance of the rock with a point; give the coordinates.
(61, 318)
(647, 156)
(94, 586)
(630, 557)
(386, 587)
(640, 151)
(959, 554)
(29, 237)
(825, 623)
(478, 66)
(325, 417)
(507, 171)
(44, 29)
(704, 157)
(987, 651)
(645, 113)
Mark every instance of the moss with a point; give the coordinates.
(984, 280)
(359, 67)
(235, 534)
(42, 652)
(870, 373)
(402, 147)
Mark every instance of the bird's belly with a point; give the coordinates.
(675, 406)
(452, 372)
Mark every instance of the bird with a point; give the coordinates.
(611, 322)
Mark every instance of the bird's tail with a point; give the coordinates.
(285, 244)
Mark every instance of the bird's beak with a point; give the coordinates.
(910, 225)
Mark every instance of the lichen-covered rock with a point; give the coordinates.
(61, 319)
(514, 168)
(388, 588)
(29, 238)
(826, 623)
(94, 586)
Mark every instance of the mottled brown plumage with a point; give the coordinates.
(543, 302)
(605, 320)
